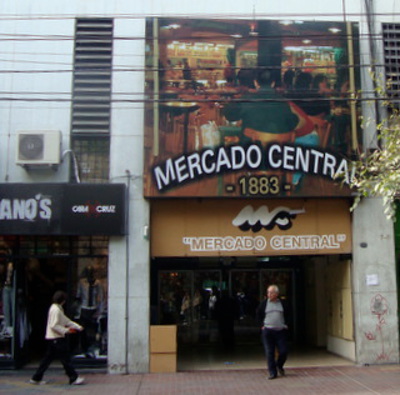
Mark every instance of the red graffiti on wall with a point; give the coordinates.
(379, 308)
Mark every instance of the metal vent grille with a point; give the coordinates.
(391, 41)
(92, 76)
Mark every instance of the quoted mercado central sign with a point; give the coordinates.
(62, 209)
(285, 227)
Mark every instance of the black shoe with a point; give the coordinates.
(272, 376)
(281, 371)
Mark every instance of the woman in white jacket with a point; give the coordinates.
(58, 325)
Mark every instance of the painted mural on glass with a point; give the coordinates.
(238, 108)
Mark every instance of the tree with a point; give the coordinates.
(376, 173)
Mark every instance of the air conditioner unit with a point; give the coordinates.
(38, 148)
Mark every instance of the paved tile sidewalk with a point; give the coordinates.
(382, 379)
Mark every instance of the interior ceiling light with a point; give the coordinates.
(172, 26)
(253, 25)
(286, 23)
(334, 30)
(253, 31)
(236, 36)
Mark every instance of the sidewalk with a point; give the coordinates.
(380, 379)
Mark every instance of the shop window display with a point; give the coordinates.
(31, 270)
(90, 308)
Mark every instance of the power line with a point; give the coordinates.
(220, 16)
(8, 37)
(199, 100)
(141, 69)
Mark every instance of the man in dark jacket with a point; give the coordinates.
(226, 312)
(263, 113)
(271, 316)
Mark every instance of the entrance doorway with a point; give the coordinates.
(184, 291)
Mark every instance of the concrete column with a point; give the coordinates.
(129, 288)
(374, 285)
(129, 267)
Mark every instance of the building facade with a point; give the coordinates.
(138, 173)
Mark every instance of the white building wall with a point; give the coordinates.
(129, 257)
(37, 79)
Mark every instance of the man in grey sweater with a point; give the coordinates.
(271, 315)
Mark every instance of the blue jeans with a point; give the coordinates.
(272, 340)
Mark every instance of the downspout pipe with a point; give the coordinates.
(127, 271)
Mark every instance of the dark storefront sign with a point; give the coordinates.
(62, 209)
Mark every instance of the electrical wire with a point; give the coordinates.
(4, 37)
(177, 15)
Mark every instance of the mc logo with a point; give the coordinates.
(255, 220)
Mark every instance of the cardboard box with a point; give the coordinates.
(163, 363)
(163, 339)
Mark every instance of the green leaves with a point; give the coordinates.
(377, 172)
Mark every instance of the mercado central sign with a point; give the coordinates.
(210, 131)
(284, 227)
(194, 166)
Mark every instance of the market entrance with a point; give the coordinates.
(185, 293)
(200, 299)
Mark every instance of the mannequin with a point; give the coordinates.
(7, 288)
(8, 297)
(90, 296)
